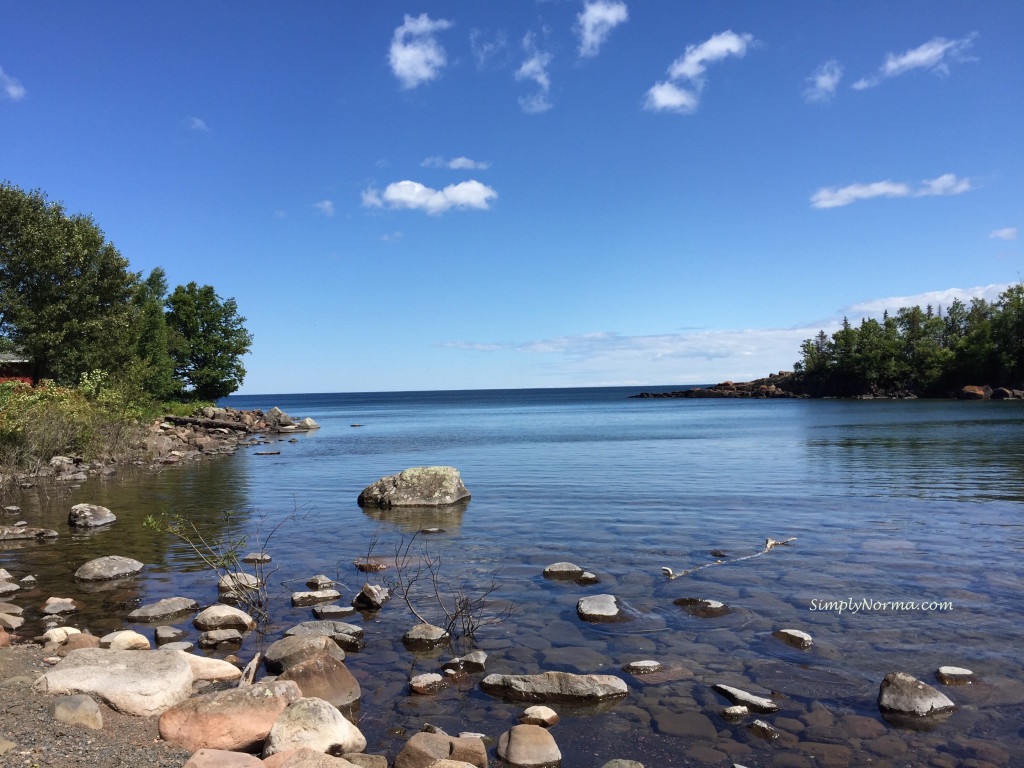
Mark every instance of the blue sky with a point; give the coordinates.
(472, 195)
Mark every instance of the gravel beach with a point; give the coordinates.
(30, 737)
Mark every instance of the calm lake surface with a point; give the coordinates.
(909, 501)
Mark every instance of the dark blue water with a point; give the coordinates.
(887, 500)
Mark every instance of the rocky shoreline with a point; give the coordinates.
(172, 440)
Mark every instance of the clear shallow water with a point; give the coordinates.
(888, 501)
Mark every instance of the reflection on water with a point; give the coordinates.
(888, 501)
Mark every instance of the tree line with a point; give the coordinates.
(71, 306)
(927, 352)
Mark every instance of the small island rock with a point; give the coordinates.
(416, 487)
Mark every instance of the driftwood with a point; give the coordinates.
(769, 545)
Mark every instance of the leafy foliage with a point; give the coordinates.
(207, 341)
(921, 351)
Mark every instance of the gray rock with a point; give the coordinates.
(15, 532)
(314, 597)
(563, 571)
(218, 637)
(954, 676)
(320, 582)
(58, 606)
(164, 609)
(237, 581)
(705, 609)
(257, 557)
(760, 704)
(163, 635)
(529, 746)
(11, 609)
(8, 587)
(221, 616)
(143, 684)
(539, 715)
(107, 568)
(471, 662)
(293, 649)
(645, 667)
(313, 723)
(735, 713)
(180, 645)
(424, 637)
(125, 640)
(428, 683)
(348, 636)
(903, 694)
(424, 749)
(794, 637)
(333, 612)
(371, 597)
(90, 516)
(9, 622)
(77, 710)
(599, 608)
(555, 687)
(416, 487)
(763, 730)
(620, 763)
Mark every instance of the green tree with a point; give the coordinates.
(157, 368)
(64, 290)
(1008, 334)
(207, 339)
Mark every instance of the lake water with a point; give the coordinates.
(888, 501)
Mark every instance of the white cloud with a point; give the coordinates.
(486, 50)
(460, 163)
(823, 83)
(535, 68)
(196, 124)
(325, 207)
(671, 98)
(11, 87)
(415, 56)
(837, 197)
(874, 308)
(1006, 233)
(681, 93)
(596, 21)
(415, 196)
(934, 56)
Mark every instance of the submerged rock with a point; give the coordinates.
(705, 609)
(794, 637)
(954, 676)
(424, 637)
(416, 487)
(760, 704)
(555, 687)
(164, 609)
(14, 532)
(599, 608)
(107, 568)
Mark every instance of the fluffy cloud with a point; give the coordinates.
(837, 197)
(415, 196)
(823, 83)
(415, 56)
(535, 68)
(196, 124)
(456, 164)
(1006, 233)
(876, 307)
(325, 207)
(596, 21)
(935, 56)
(10, 86)
(681, 93)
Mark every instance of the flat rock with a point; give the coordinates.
(475, 661)
(313, 723)
(90, 516)
(74, 642)
(58, 606)
(903, 694)
(166, 634)
(760, 704)
(323, 676)
(218, 637)
(107, 568)
(9, 622)
(8, 587)
(794, 637)
(424, 749)
(304, 757)
(11, 609)
(316, 596)
(529, 746)
(416, 487)
(16, 532)
(333, 612)
(424, 637)
(135, 683)
(428, 683)
(254, 558)
(237, 580)
(735, 713)
(371, 597)
(293, 649)
(320, 582)
(222, 616)
(555, 687)
(599, 608)
(563, 571)
(165, 609)
(222, 758)
(645, 667)
(235, 719)
(703, 608)
(954, 676)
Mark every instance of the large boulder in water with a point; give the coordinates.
(416, 487)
